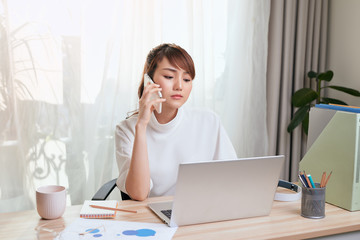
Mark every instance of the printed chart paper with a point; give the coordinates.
(111, 229)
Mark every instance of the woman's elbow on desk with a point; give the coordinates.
(136, 193)
(138, 196)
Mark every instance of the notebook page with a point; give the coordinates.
(90, 212)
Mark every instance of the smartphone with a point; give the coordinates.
(148, 80)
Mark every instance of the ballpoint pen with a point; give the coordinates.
(302, 180)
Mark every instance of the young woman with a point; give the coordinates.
(151, 145)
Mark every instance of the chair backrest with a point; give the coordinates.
(106, 189)
(124, 196)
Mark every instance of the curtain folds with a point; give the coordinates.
(297, 44)
(243, 84)
(69, 72)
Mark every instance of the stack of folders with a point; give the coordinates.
(333, 144)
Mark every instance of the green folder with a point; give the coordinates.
(333, 145)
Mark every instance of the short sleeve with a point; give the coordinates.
(124, 139)
(123, 156)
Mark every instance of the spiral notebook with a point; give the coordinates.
(90, 212)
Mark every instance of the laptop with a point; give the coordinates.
(222, 190)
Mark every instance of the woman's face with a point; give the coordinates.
(175, 82)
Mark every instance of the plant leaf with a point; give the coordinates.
(333, 100)
(327, 76)
(350, 91)
(305, 124)
(303, 97)
(312, 74)
(299, 116)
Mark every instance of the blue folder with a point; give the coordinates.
(338, 108)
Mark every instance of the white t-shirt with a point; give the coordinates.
(192, 136)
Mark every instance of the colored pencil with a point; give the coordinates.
(114, 209)
(327, 179)
(89, 231)
(307, 180)
(311, 181)
(323, 179)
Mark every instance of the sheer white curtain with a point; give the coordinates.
(70, 72)
(242, 87)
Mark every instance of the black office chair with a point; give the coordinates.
(106, 189)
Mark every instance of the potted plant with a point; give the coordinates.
(303, 98)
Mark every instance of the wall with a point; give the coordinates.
(344, 47)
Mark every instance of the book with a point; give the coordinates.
(90, 212)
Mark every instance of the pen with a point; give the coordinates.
(114, 209)
(302, 180)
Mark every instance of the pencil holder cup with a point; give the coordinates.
(51, 201)
(313, 202)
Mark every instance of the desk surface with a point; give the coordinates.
(284, 222)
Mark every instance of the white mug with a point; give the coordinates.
(51, 201)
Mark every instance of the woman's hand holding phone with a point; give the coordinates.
(151, 99)
(155, 95)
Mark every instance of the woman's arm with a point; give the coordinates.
(138, 179)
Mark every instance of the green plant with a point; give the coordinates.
(304, 98)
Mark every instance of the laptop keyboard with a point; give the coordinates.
(167, 213)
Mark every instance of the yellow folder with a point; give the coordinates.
(333, 145)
